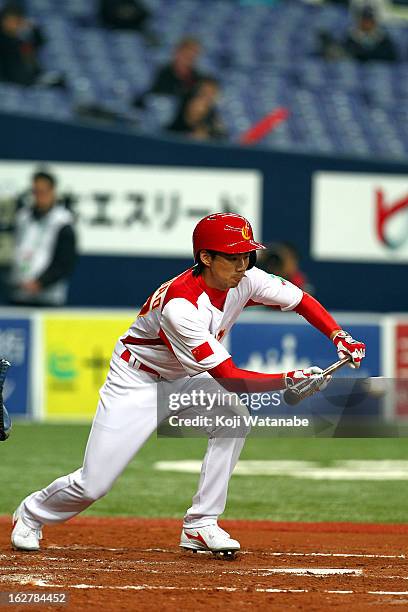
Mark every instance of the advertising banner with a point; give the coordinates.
(401, 370)
(15, 346)
(280, 347)
(360, 217)
(273, 348)
(77, 350)
(142, 210)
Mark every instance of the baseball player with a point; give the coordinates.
(178, 335)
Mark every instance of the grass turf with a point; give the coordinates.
(38, 453)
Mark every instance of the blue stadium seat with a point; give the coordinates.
(264, 57)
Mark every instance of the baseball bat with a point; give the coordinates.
(298, 392)
(4, 366)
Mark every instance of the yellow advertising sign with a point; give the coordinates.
(77, 351)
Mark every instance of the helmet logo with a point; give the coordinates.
(246, 232)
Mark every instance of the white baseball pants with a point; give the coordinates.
(125, 418)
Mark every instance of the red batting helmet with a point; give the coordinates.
(226, 233)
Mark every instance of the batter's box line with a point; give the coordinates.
(321, 554)
(146, 587)
(257, 572)
(241, 552)
(123, 562)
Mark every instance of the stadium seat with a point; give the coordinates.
(263, 56)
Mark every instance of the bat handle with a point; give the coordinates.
(336, 366)
(294, 395)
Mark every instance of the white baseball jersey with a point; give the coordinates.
(180, 329)
(177, 334)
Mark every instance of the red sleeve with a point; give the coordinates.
(316, 315)
(235, 379)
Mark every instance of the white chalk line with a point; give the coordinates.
(147, 587)
(241, 552)
(109, 570)
(71, 568)
(299, 571)
(20, 579)
(72, 560)
(31, 580)
(258, 571)
(320, 554)
(387, 592)
(348, 469)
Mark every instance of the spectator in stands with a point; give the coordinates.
(45, 252)
(270, 260)
(126, 15)
(382, 8)
(180, 76)
(368, 40)
(197, 115)
(283, 259)
(20, 41)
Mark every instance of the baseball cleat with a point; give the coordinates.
(22, 536)
(210, 538)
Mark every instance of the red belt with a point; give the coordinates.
(126, 355)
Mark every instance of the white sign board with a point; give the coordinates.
(360, 217)
(142, 210)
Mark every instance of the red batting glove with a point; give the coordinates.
(346, 345)
(313, 378)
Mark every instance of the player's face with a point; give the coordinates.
(224, 271)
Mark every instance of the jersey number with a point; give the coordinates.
(155, 300)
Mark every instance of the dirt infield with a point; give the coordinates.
(135, 564)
